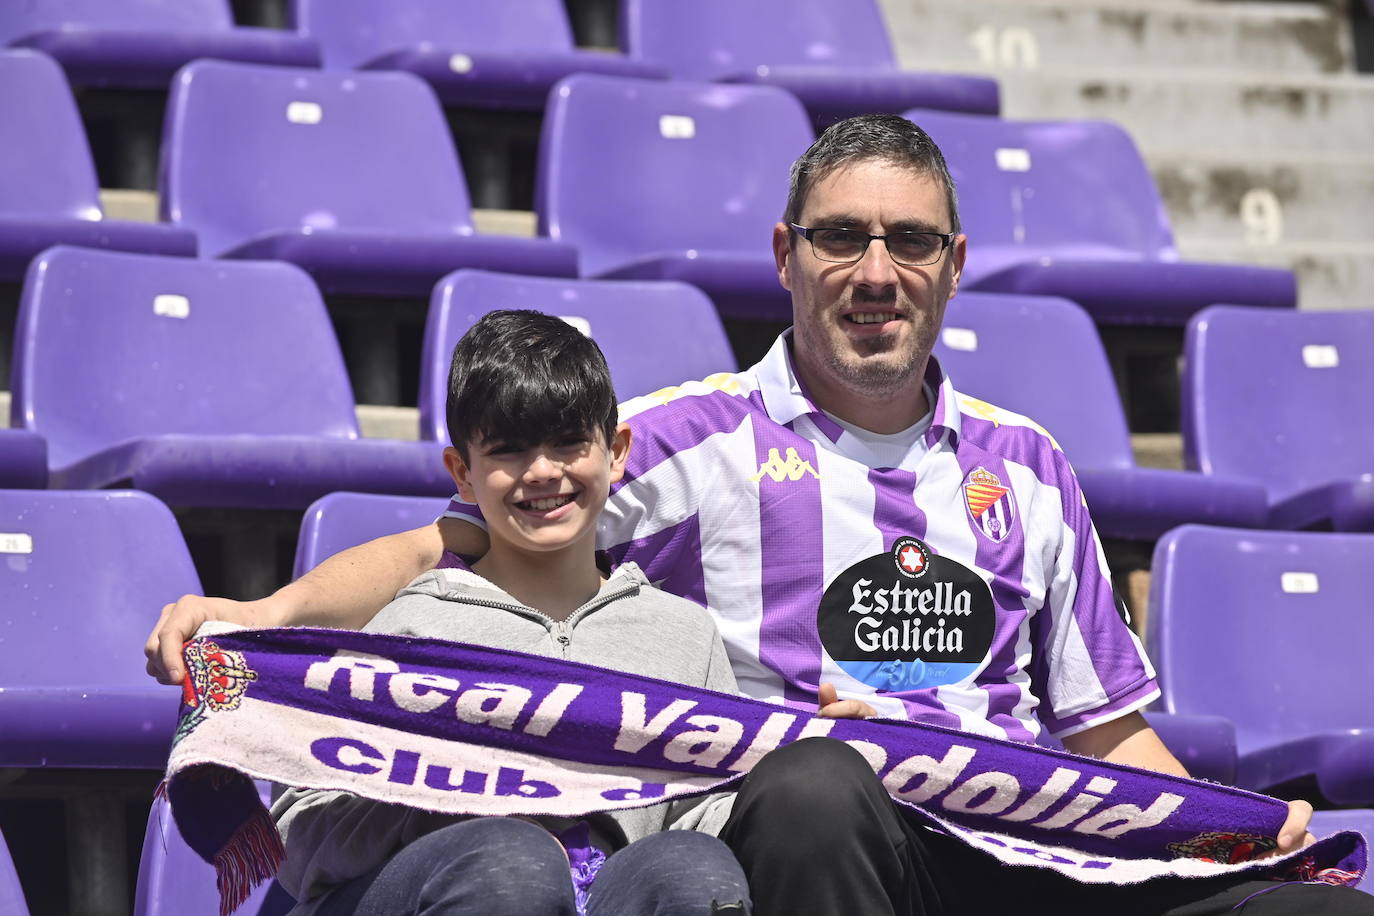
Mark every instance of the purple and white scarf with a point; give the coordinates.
(462, 729)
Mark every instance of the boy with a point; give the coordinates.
(532, 419)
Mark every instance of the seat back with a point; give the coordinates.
(45, 163)
(1067, 187)
(342, 520)
(654, 334)
(11, 894)
(113, 347)
(173, 879)
(1039, 356)
(1263, 627)
(1280, 397)
(710, 39)
(84, 569)
(629, 167)
(20, 19)
(352, 32)
(250, 151)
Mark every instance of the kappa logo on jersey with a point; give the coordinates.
(991, 506)
(793, 468)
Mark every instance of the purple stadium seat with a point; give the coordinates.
(1067, 208)
(207, 383)
(608, 145)
(342, 520)
(1282, 398)
(1325, 823)
(11, 894)
(352, 176)
(654, 334)
(81, 583)
(23, 460)
(173, 880)
(1041, 356)
(48, 190)
(835, 57)
(1272, 630)
(139, 44)
(473, 52)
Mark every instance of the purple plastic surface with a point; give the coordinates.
(835, 57)
(1281, 398)
(654, 335)
(1204, 744)
(607, 145)
(474, 53)
(354, 175)
(83, 578)
(1068, 208)
(141, 43)
(51, 195)
(1041, 357)
(173, 880)
(1272, 630)
(23, 460)
(11, 894)
(207, 383)
(342, 520)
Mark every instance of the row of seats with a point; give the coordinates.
(838, 59)
(220, 383)
(354, 177)
(1289, 604)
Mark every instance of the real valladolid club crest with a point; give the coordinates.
(216, 680)
(991, 506)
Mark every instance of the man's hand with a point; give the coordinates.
(1293, 835)
(180, 621)
(830, 706)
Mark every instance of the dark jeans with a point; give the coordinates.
(817, 834)
(496, 866)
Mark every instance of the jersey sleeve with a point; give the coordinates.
(1089, 667)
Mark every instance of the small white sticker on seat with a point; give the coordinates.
(15, 543)
(965, 339)
(304, 113)
(171, 306)
(1299, 583)
(1012, 159)
(677, 127)
(460, 63)
(580, 323)
(1320, 356)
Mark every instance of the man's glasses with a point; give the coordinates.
(845, 246)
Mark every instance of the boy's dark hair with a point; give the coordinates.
(521, 377)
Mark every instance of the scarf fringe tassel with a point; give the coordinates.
(251, 856)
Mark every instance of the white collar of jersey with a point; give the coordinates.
(785, 399)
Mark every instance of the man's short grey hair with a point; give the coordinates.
(884, 138)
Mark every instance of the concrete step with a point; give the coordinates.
(1025, 35)
(1266, 200)
(1252, 113)
(1331, 274)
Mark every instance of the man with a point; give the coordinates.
(857, 528)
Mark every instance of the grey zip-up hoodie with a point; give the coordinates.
(332, 837)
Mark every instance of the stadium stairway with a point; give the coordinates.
(1250, 114)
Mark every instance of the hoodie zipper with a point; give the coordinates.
(560, 630)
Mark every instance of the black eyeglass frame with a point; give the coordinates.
(806, 232)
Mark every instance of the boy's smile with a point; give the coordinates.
(544, 498)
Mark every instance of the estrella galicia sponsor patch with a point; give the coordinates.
(991, 504)
(907, 618)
